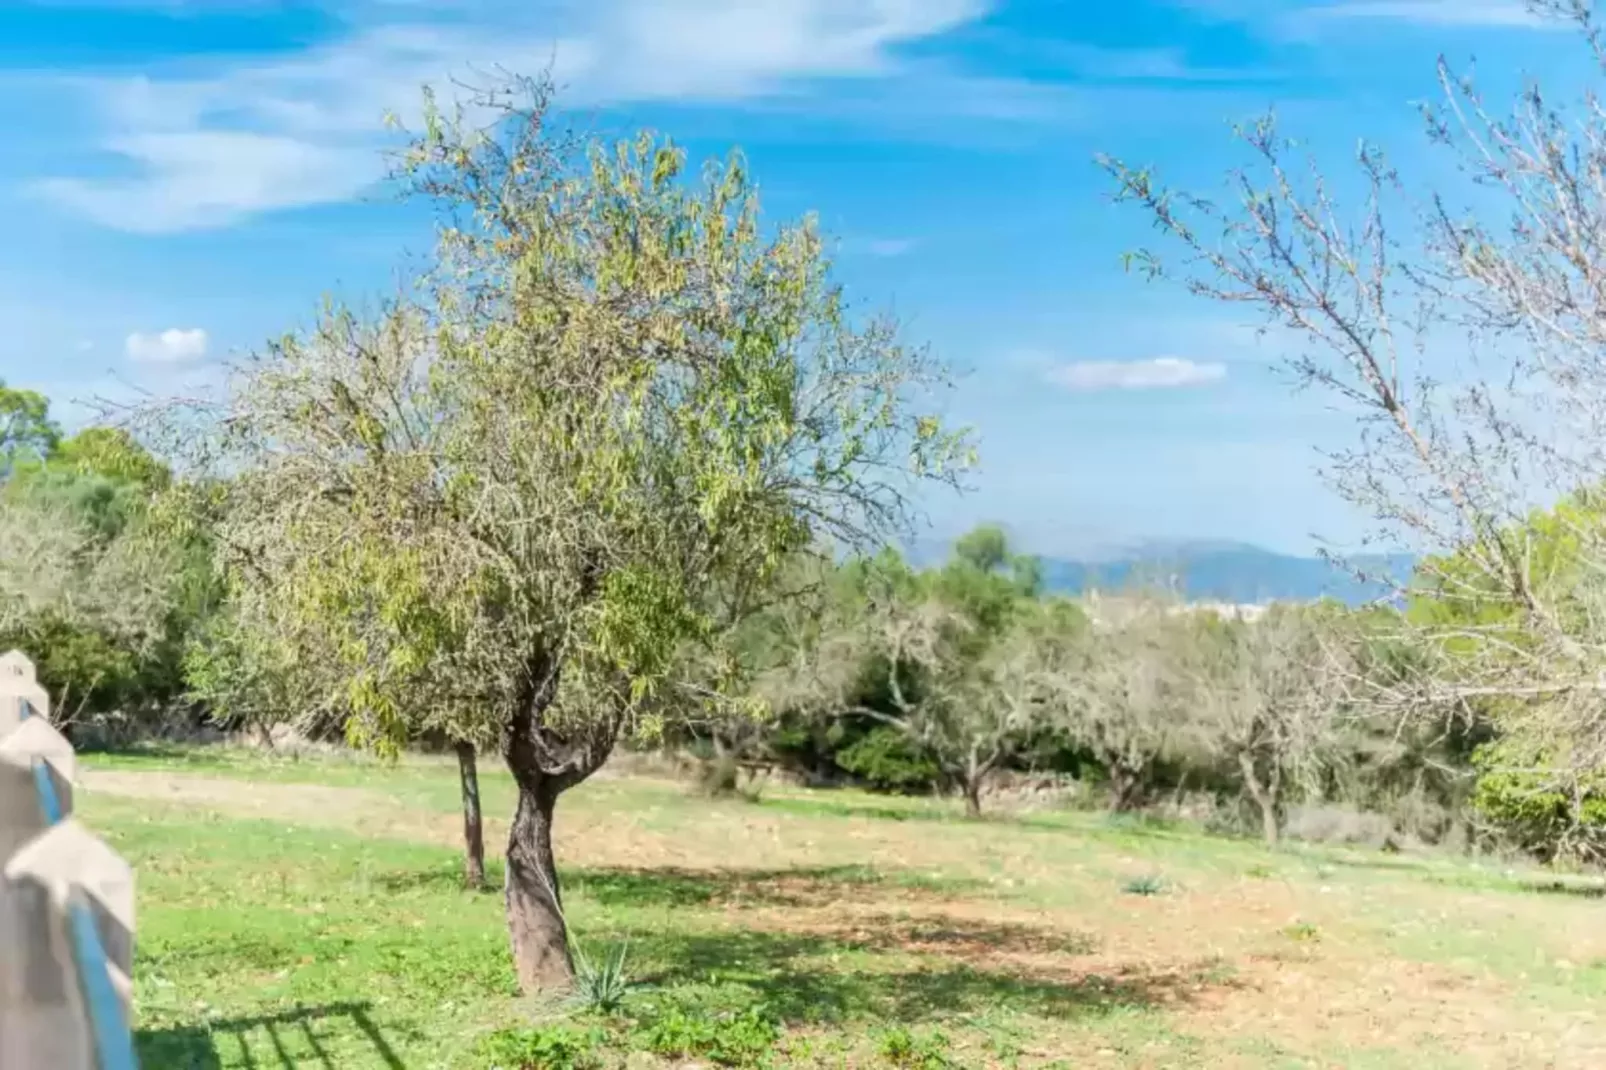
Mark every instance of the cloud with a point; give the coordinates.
(1161, 373)
(172, 346)
(217, 141)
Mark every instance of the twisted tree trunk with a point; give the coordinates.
(545, 763)
(539, 935)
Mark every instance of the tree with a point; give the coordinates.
(27, 433)
(1120, 694)
(1494, 293)
(509, 502)
(1268, 692)
(942, 660)
(90, 583)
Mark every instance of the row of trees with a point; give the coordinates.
(915, 680)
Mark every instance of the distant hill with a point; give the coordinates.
(1226, 572)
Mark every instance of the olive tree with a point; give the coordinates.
(1463, 328)
(509, 499)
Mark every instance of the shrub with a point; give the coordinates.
(886, 760)
(1541, 816)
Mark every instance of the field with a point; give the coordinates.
(309, 914)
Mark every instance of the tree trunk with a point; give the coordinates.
(1126, 785)
(1270, 827)
(473, 828)
(972, 791)
(1266, 798)
(534, 904)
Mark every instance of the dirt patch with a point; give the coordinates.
(312, 803)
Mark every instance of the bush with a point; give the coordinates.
(1536, 814)
(886, 760)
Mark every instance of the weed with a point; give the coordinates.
(739, 1039)
(1302, 932)
(902, 1047)
(1150, 885)
(555, 1047)
(1259, 872)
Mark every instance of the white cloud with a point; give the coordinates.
(211, 146)
(172, 346)
(1161, 373)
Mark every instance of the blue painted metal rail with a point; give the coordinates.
(111, 1039)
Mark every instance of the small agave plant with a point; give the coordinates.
(1149, 885)
(601, 985)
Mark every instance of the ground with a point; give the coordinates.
(308, 913)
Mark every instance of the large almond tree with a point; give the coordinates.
(509, 499)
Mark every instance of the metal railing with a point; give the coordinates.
(66, 903)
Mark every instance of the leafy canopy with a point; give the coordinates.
(617, 409)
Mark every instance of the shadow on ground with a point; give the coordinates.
(682, 887)
(292, 1037)
(825, 979)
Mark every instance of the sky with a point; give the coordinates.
(184, 179)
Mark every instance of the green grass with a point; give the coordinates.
(815, 929)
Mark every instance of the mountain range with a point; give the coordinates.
(1215, 571)
(1229, 572)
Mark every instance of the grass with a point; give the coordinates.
(309, 913)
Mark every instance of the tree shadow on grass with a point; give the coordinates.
(689, 887)
(814, 979)
(292, 1037)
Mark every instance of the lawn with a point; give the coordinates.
(309, 914)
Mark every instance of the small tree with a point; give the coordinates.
(514, 501)
(944, 659)
(1268, 693)
(1120, 694)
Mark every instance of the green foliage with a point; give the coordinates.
(903, 1047)
(1519, 732)
(27, 433)
(739, 1038)
(95, 587)
(552, 1047)
(624, 409)
(886, 759)
(1548, 814)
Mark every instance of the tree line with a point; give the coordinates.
(620, 469)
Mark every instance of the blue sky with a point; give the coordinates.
(185, 178)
